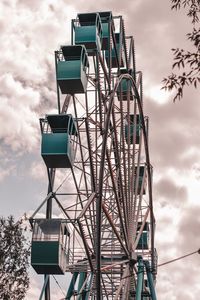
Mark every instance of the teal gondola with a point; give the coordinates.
(88, 32)
(50, 246)
(57, 147)
(124, 91)
(132, 129)
(106, 21)
(72, 69)
(143, 243)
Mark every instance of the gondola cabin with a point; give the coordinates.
(141, 184)
(106, 21)
(72, 69)
(143, 243)
(115, 55)
(133, 129)
(88, 32)
(50, 246)
(58, 134)
(124, 91)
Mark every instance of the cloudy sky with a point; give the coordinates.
(30, 32)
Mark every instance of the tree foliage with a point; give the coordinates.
(185, 61)
(14, 259)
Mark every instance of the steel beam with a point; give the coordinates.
(150, 280)
(140, 277)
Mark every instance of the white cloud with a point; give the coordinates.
(27, 80)
(5, 173)
(18, 120)
(157, 94)
(38, 170)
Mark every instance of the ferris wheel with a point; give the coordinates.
(104, 234)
